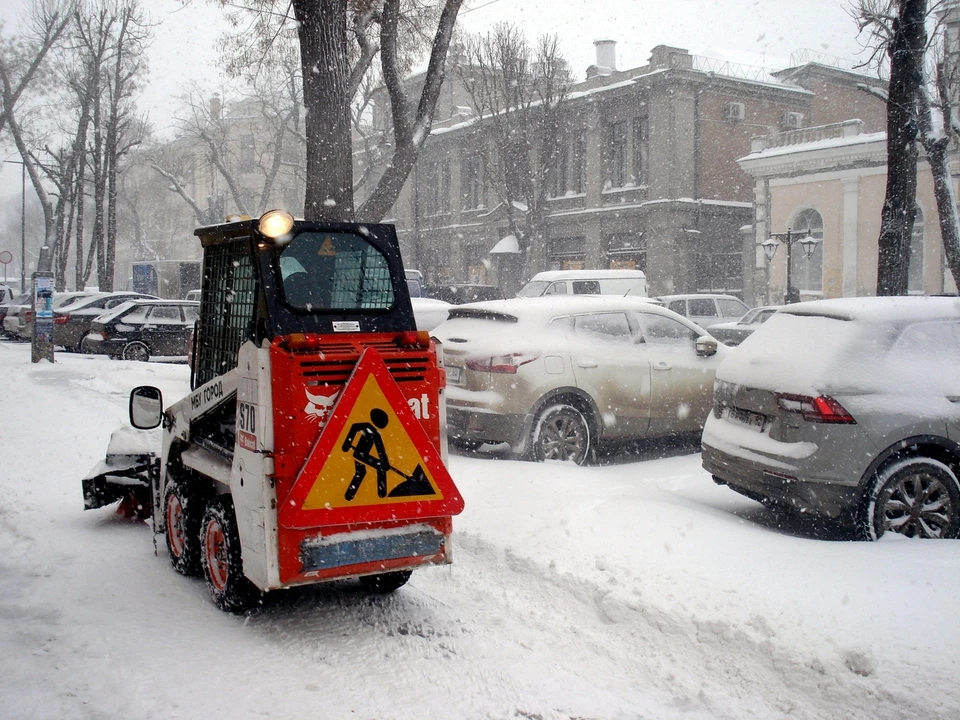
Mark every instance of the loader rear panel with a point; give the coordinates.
(308, 376)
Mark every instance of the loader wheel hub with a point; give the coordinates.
(215, 549)
(175, 525)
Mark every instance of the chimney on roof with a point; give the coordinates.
(606, 58)
(606, 55)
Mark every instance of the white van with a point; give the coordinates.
(586, 282)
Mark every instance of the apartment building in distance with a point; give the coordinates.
(647, 176)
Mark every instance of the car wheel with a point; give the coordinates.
(914, 497)
(385, 583)
(136, 351)
(561, 432)
(222, 560)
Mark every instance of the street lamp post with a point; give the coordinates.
(807, 242)
(23, 226)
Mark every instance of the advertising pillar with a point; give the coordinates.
(41, 342)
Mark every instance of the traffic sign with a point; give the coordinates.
(373, 460)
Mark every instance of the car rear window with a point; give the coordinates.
(165, 314)
(807, 354)
(135, 314)
(730, 307)
(702, 307)
(115, 311)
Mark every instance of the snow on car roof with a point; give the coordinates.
(880, 309)
(546, 307)
(833, 345)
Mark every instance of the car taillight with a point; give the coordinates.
(820, 409)
(507, 364)
(28, 316)
(60, 319)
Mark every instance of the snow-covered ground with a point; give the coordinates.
(637, 589)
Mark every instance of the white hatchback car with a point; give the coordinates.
(553, 377)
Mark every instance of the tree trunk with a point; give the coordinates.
(323, 53)
(899, 206)
(946, 203)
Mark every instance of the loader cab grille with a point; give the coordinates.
(227, 308)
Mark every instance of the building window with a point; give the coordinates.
(246, 153)
(626, 251)
(641, 148)
(719, 270)
(578, 162)
(471, 180)
(915, 269)
(560, 185)
(807, 273)
(567, 253)
(616, 154)
(435, 187)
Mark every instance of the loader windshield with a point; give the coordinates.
(334, 272)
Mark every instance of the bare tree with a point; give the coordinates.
(337, 49)
(897, 29)
(899, 26)
(518, 94)
(936, 139)
(21, 60)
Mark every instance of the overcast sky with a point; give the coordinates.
(754, 31)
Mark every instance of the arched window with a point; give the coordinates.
(806, 274)
(915, 271)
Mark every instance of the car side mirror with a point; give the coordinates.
(146, 407)
(706, 346)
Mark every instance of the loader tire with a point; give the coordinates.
(182, 515)
(385, 583)
(222, 558)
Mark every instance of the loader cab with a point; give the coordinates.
(276, 276)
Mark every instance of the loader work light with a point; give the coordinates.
(275, 223)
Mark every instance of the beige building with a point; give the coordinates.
(831, 180)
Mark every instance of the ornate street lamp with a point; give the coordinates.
(807, 242)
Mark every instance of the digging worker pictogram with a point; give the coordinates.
(367, 438)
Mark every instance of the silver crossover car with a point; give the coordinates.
(553, 376)
(849, 409)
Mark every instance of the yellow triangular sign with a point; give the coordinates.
(372, 461)
(327, 249)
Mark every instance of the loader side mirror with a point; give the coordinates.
(146, 407)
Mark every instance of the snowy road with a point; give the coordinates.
(635, 590)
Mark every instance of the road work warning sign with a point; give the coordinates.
(372, 461)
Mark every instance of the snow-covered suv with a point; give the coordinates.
(846, 408)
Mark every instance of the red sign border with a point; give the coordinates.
(291, 513)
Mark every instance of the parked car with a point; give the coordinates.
(706, 309)
(735, 332)
(60, 299)
(12, 320)
(586, 282)
(849, 409)
(11, 309)
(414, 283)
(141, 329)
(553, 377)
(6, 294)
(71, 322)
(462, 293)
(429, 312)
(193, 296)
